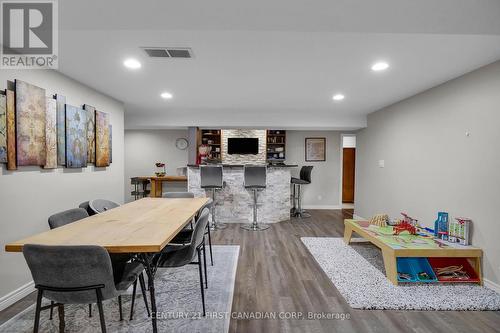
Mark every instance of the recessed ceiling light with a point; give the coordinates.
(132, 63)
(380, 66)
(338, 97)
(166, 95)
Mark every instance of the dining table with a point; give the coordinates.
(141, 228)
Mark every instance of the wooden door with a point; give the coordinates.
(348, 168)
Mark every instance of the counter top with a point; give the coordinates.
(242, 165)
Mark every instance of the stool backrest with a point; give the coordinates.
(255, 176)
(305, 173)
(211, 176)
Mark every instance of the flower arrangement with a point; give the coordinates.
(161, 171)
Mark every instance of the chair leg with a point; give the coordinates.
(120, 307)
(144, 296)
(62, 323)
(133, 300)
(201, 281)
(101, 311)
(90, 310)
(38, 309)
(210, 245)
(51, 309)
(205, 264)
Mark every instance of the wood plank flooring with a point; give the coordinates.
(276, 274)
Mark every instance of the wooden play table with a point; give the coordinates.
(394, 247)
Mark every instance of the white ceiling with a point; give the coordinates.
(273, 63)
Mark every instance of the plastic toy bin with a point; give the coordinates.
(414, 266)
(444, 262)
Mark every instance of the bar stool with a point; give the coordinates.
(138, 193)
(305, 178)
(211, 179)
(255, 179)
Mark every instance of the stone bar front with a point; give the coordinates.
(235, 203)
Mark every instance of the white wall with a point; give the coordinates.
(29, 195)
(431, 164)
(143, 148)
(324, 190)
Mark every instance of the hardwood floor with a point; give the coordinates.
(276, 274)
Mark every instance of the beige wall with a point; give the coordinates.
(323, 192)
(143, 148)
(431, 164)
(29, 195)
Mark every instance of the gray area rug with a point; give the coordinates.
(357, 271)
(178, 301)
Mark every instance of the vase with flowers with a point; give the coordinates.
(161, 171)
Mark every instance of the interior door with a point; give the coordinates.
(348, 169)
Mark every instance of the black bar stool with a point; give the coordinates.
(255, 180)
(305, 178)
(138, 193)
(211, 179)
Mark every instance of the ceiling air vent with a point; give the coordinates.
(168, 52)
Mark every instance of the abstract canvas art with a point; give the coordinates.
(3, 128)
(76, 137)
(30, 124)
(51, 134)
(11, 130)
(90, 133)
(61, 129)
(102, 139)
(110, 144)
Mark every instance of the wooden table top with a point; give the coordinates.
(166, 178)
(145, 225)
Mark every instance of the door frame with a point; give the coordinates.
(342, 135)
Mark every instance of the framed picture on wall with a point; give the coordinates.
(315, 149)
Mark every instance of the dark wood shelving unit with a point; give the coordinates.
(276, 146)
(212, 138)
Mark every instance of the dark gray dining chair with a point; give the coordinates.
(73, 275)
(122, 268)
(102, 205)
(178, 256)
(121, 261)
(66, 217)
(85, 205)
(184, 237)
(172, 195)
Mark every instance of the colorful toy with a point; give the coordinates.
(441, 224)
(410, 220)
(379, 220)
(459, 232)
(404, 226)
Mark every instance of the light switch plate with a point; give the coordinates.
(381, 163)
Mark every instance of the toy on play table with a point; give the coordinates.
(407, 224)
(441, 225)
(459, 232)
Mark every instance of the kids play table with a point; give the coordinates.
(405, 245)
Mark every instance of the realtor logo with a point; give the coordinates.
(29, 34)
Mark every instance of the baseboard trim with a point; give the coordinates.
(492, 285)
(321, 207)
(16, 295)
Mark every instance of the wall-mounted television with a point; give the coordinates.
(243, 146)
